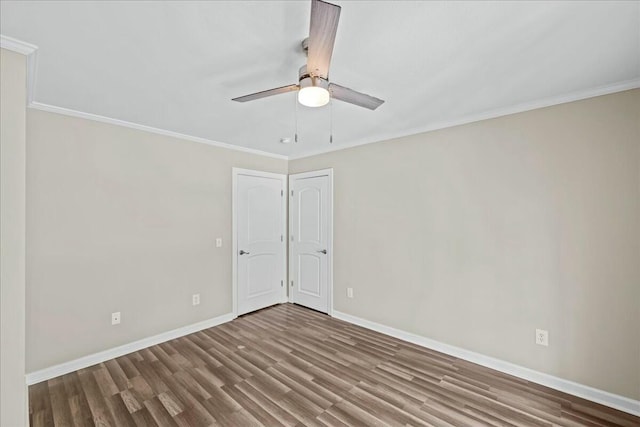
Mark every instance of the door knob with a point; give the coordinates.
(243, 252)
(324, 251)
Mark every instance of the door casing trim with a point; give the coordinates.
(322, 172)
(235, 172)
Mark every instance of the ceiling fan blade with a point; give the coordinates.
(352, 97)
(322, 36)
(265, 93)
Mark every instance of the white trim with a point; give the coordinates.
(234, 242)
(595, 395)
(93, 359)
(131, 125)
(235, 172)
(491, 114)
(285, 233)
(322, 172)
(32, 67)
(17, 46)
(31, 52)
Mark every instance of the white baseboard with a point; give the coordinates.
(93, 359)
(595, 395)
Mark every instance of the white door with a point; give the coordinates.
(310, 219)
(260, 218)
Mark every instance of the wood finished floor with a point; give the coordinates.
(287, 365)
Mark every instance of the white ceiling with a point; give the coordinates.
(176, 65)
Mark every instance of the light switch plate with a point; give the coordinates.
(219, 242)
(195, 299)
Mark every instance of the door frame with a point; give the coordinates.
(321, 172)
(235, 173)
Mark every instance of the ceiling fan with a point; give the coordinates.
(314, 89)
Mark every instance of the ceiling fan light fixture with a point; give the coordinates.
(313, 96)
(314, 92)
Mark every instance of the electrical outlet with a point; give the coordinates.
(115, 318)
(195, 299)
(219, 242)
(349, 292)
(542, 337)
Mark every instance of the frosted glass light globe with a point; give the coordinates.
(313, 96)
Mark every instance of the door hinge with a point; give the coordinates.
(291, 193)
(292, 283)
(281, 238)
(281, 283)
(292, 237)
(281, 193)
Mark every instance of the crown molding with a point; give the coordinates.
(17, 46)
(31, 52)
(117, 122)
(491, 114)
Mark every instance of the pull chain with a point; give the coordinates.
(295, 100)
(331, 121)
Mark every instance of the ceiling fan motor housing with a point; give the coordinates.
(306, 80)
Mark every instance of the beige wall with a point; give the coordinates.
(479, 234)
(122, 220)
(473, 236)
(13, 391)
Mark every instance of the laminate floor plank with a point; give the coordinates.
(132, 404)
(143, 418)
(117, 374)
(141, 389)
(290, 366)
(259, 413)
(119, 411)
(127, 367)
(60, 408)
(80, 412)
(267, 404)
(40, 405)
(97, 404)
